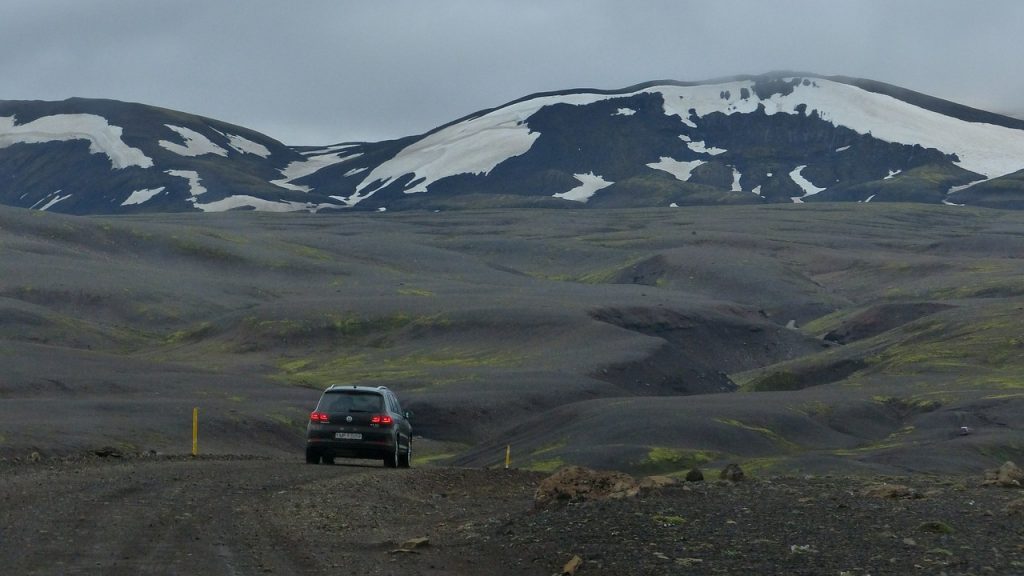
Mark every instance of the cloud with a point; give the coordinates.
(324, 71)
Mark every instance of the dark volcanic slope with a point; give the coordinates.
(639, 339)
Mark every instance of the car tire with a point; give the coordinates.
(405, 460)
(312, 456)
(328, 460)
(391, 459)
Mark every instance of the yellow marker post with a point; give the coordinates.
(508, 456)
(195, 431)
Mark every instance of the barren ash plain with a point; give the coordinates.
(863, 364)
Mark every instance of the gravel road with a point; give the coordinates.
(247, 516)
(166, 517)
(217, 516)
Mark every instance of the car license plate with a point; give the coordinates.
(348, 436)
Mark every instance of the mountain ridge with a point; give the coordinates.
(778, 137)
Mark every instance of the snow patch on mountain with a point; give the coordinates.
(317, 151)
(806, 185)
(242, 201)
(302, 168)
(142, 196)
(473, 146)
(50, 201)
(736, 180)
(679, 168)
(624, 112)
(103, 137)
(194, 187)
(195, 143)
(590, 183)
(985, 149)
(955, 189)
(982, 148)
(243, 145)
(700, 148)
(705, 99)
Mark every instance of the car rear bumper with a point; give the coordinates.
(351, 449)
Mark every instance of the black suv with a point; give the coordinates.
(359, 422)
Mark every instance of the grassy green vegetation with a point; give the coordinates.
(662, 520)
(345, 327)
(987, 345)
(308, 252)
(823, 324)
(192, 334)
(915, 404)
(294, 419)
(549, 465)
(763, 431)
(774, 382)
(195, 247)
(604, 275)
(600, 273)
(665, 460)
(815, 409)
(438, 458)
(996, 287)
(548, 448)
(936, 527)
(767, 466)
(377, 366)
(1011, 451)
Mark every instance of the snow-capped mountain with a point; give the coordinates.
(100, 156)
(759, 139)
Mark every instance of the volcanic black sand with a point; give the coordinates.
(848, 340)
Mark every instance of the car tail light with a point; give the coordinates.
(318, 417)
(382, 419)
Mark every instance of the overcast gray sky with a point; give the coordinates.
(326, 71)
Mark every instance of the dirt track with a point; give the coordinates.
(225, 516)
(170, 517)
(234, 517)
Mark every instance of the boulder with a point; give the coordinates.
(654, 482)
(108, 452)
(1008, 475)
(578, 484)
(886, 490)
(1015, 507)
(732, 473)
(695, 475)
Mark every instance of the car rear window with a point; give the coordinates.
(345, 401)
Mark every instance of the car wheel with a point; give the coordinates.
(391, 459)
(405, 460)
(328, 460)
(312, 456)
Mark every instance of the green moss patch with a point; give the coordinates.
(665, 460)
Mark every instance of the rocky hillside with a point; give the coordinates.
(780, 138)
